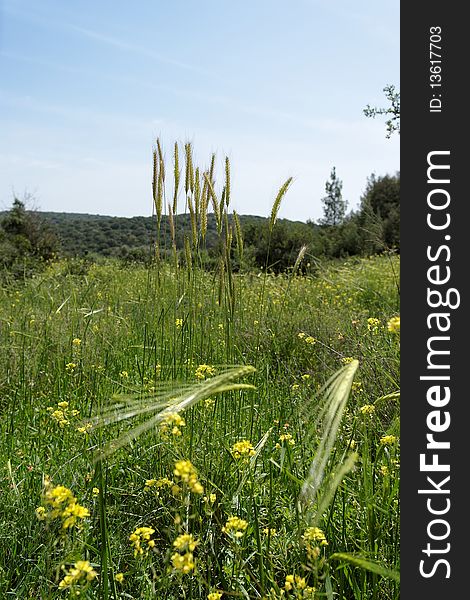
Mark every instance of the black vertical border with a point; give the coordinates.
(422, 132)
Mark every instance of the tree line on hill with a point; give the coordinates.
(29, 238)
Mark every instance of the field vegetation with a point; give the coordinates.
(170, 430)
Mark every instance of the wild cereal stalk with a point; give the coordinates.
(204, 207)
(336, 395)
(215, 204)
(277, 203)
(239, 237)
(227, 181)
(177, 173)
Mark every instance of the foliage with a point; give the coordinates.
(334, 206)
(380, 212)
(392, 111)
(205, 502)
(26, 243)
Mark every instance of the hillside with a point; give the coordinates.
(83, 234)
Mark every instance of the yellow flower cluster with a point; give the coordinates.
(373, 325)
(80, 573)
(185, 470)
(210, 499)
(357, 387)
(171, 423)
(85, 428)
(61, 504)
(76, 342)
(179, 322)
(70, 367)
(367, 409)
(183, 562)
(316, 535)
(62, 413)
(142, 535)
(394, 325)
(214, 596)
(347, 359)
(285, 438)
(388, 440)
(298, 584)
(235, 527)
(242, 449)
(162, 483)
(204, 371)
(313, 538)
(185, 542)
(308, 339)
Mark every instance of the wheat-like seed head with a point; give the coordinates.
(176, 173)
(227, 181)
(277, 202)
(239, 236)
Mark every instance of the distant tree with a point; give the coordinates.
(334, 206)
(392, 111)
(25, 241)
(380, 211)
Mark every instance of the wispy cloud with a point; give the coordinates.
(100, 37)
(136, 49)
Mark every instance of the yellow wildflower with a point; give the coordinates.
(294, 582)
(85, 428)
(76, 341)
(72, 512)
(172, 421)
(185, 470)
(119, 577)
(204, 371)
(388, 440)
(81, 572)
(214, 596)
(183, 562)
(394, 325)
(242, 449)
(357, 386)
(185, 542)
(314, 534)
(235, 526)
(41, 513)
(140, 536)
(373, 325)
(367, 409)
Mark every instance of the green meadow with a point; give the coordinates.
(170, 431)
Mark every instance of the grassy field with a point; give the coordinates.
(165, 434)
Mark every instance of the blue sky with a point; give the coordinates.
(279, 87)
